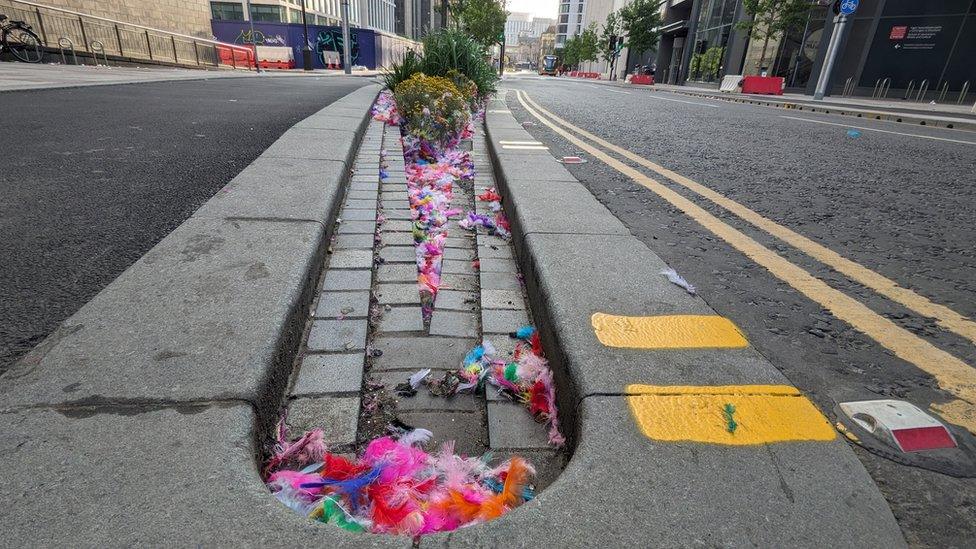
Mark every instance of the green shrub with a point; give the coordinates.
(432, 107)
(465, 86)
(447, 50)
(408, 66)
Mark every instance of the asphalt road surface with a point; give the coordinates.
(92, 178)
(901, 205)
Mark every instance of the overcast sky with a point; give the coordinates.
(541, 8)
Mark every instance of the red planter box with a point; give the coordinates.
(647, 79)
(766, 85)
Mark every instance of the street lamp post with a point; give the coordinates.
(346, 53)
(306, 50)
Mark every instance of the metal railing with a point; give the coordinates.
(99, 36)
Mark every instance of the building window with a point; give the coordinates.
(266, 13)
(711, 40)
(226, 11)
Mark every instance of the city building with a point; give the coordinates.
(415, 18)
(523, 24)
(570, 21)
(185, 16)
(374, 14)
(900, 43)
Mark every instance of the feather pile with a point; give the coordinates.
(385, 109)
(396, 487)
(432, 169)
(527, 378)
(497, 224)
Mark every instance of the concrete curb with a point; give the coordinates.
(137, 421)
(857, 111)
(621, 488)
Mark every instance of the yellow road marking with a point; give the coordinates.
(944, 316)
(737, 415)
(952, 374)
(667, 332)
(880, 130)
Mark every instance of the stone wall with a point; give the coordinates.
(183, 16)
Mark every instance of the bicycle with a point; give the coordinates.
(20, 40)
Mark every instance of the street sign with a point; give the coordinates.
(847, 7)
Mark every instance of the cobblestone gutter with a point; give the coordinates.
(366, 332)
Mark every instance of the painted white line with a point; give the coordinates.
(503, 142)
(880, 131)
(526, 147)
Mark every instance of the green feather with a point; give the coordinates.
(730, 424)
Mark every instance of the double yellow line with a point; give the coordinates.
(953, 375)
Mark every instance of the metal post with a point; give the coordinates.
(40, 23)
(346, 49)
(84, 37)
(176, 58)
(306, 50)
(833, 49)
(196, 51)
(149, 46)
(254, 47)
(118, 36)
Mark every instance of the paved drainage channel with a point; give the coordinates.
(367, 332)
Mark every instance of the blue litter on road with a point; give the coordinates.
(853, 134)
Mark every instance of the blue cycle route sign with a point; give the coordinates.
(848, 7)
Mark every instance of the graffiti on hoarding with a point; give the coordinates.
(330, 40)
(259, 38)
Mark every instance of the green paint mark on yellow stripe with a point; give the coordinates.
(667, 332)
(763, 414)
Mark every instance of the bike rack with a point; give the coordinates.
(963, 92)
(909, 89)
(943, 92)
(849, 85)
(65, 42)
(97, 47)
(923, 88)
(881, 87)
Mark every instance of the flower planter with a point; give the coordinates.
(763, 85)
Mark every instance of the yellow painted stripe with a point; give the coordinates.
(952, 374)
(667, 332)
(944, 316)
(737, 415)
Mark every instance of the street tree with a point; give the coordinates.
(484, 20)
(609, 33)
(770, 19)
(640, 21)
(571, 52)
(589, 43)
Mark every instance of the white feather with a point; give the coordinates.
(675, 278)
(418, 378)
(417, 436)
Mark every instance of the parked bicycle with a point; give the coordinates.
(18, 38)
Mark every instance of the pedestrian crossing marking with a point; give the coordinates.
(667, 332)
(734, 415)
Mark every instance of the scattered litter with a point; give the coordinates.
(675, 278)
(528, 124)
(853, 134)
(384, 109)
(409, 387)
(527, 378)
(395, 487)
